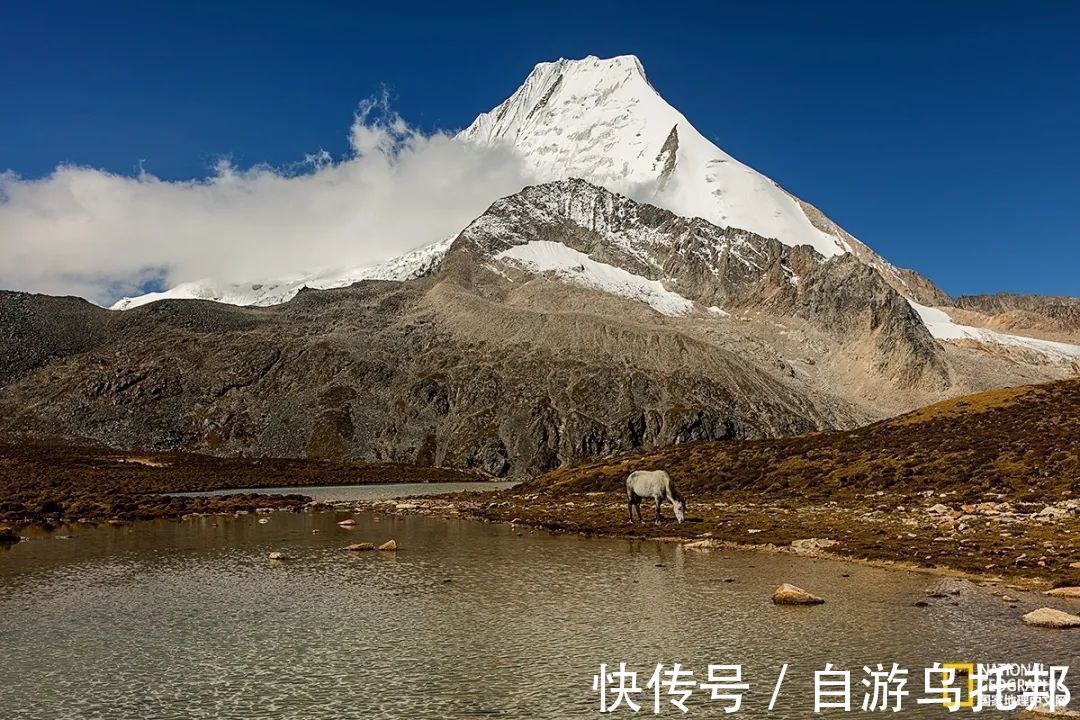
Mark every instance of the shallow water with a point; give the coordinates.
(348, 493)
(171, 619)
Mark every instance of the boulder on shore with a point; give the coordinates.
(1051, 618)
(278, 556)
(788, 594)
(1072, 592)
(706, 544)
(389, 545)
(813, 545)
(359, 547)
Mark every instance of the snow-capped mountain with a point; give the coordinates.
(599, 120)
(602, 121)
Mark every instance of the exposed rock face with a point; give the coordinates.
(1038, 315)
(372, 371)
(906, 282)
(1065, 309)
(715, 267)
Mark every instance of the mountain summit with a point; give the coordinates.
(602, 121)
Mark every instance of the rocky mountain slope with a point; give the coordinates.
(1049, 317)
(603, 121)
(565, 322)
(1019, 441)
(986, 483)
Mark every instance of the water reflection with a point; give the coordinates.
(348, 493)
(190, 619)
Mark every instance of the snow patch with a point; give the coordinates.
(577, 268)
(417, 263)
(942, 327)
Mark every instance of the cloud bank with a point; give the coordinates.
(86, 232)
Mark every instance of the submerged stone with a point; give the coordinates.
(360, 547)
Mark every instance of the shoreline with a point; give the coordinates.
(52, 482)
(492, 507)
(557, 516)
(987, 536)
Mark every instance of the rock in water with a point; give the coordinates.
(788, 594)
(359, 547)
(1051, 618)
(278, 556)
(1065, 592)
(347, 523)
(7, 535)
(389, 545)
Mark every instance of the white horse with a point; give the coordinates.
(655, 484)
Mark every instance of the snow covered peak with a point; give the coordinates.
(592, 77)
(601, 120)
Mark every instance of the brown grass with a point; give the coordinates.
(54, 481)
(1023, 442)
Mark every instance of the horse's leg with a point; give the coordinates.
(630, 507)
(658, 499)
(637, 506)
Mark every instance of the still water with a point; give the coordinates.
(349, 493)
(190, 619)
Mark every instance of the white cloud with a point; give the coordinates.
(92, 233)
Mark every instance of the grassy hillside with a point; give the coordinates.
(1023, 442)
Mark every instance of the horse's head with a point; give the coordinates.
(680, 509)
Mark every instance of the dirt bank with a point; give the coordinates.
(53, 482)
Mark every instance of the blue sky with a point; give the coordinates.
(944, 135)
